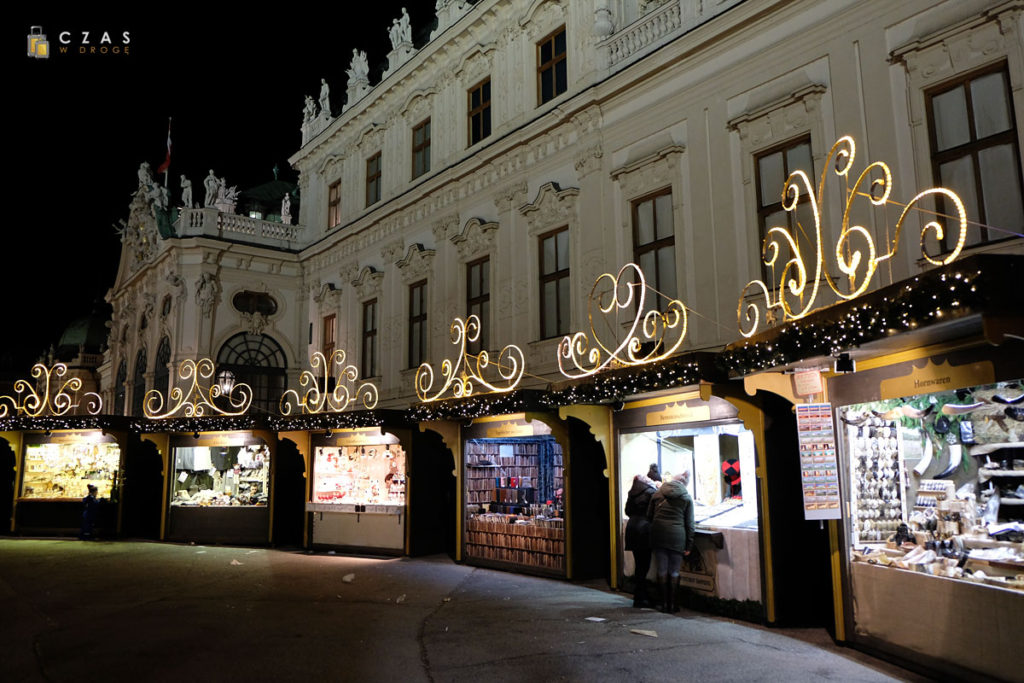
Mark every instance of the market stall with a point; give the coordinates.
(358, 499)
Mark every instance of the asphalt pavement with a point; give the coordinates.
(138, 611)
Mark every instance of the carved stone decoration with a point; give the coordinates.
(604, 24)
(477, 64)
(368, 284)
(349, 271)
(392, 251)
(588, 160)
(207, 293)
(417, 263)
(445, 228)
(476, 238)
(779, 120)
(511, 196)
(372, 137)
(322, 293)
(255, 322)
(649, 173)
(448, 12)
(553, 206)
(418, 106)
(358, 77)
(542, 17)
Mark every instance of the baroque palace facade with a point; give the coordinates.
(530, 146)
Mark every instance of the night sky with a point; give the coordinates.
(82, 124)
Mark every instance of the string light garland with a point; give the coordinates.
(58, 395)
(979, 284)
(855, 252)
(316, 400)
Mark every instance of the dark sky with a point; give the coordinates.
(82, 124)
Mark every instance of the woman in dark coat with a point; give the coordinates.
(671, 515)
(637, 533)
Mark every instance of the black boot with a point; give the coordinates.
(666, 595)
(674, 592)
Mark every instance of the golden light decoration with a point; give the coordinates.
(198, 400)
(849, 256)
(316, 400)
(464, 375)
(663, 331)
(52, 401)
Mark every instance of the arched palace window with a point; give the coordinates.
(139, 383)
(259, 361)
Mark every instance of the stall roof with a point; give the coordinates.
(978, 296)
(53, 423)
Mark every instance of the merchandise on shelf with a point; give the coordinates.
(65, 470)
(515, 501)
(372, 474)
(937, 483)
(219, 476)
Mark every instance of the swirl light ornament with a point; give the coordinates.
(199, 400)
(662, 331)
(464, 376)
(316, 400)
(58, 395)
(855, 252)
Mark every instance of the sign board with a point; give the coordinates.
(819, 466)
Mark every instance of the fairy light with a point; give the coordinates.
(462, 377)
(199, 400)
(587, 355)
(314, 400)
(858, 264)
(58, 395)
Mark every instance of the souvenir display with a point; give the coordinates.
(221, 476)
(372, 474)
(937, 484)
(65, 470)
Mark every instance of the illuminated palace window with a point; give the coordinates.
(773, 167)
(654, 243)
(554, 283)
(551, 67)
(421, 149)
(478, 299)
(973, 139)
(417, 323)
(480, 111)
(369, 364)
(259, 361)
(334, 204)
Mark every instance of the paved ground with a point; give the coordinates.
(74, 611)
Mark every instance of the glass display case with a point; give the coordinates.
(936, 483)
(64, 467)
(360, 475)
(221, 476)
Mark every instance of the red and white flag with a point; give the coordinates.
(167, 162)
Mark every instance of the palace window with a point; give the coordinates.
(773, 167)
(373, 179)
(478, 299)
(421, 149)
(973, 138)
(139, 383)
(334, 204)
(654, 244)
(479, 111)
(554, 283)
(551, 67)
(327, 336)
(369, 364)
(417, 323)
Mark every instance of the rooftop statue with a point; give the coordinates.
(359, 69)
(325, 97)
(400, 31)
(186, 192)
(211, 184)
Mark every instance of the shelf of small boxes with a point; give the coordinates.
(877, 476)
(516, 539)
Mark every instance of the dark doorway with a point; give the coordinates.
(141, 490)
(588, 503)
(432, 511)
(289, 491)
(6, 486)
